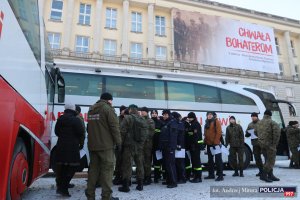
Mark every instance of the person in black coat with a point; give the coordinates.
(69, 131)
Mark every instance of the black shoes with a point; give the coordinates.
(174, 185)
(219, 178)
(236, 173)
(139, 186)
(272, 177)
(264, 177)
(125, 186)
(64, 193)
(181, 181)
(71, 185)
(196, 180)
(209, 177)
(241, 173)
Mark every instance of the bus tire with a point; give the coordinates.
(247, 158)
(18, 173)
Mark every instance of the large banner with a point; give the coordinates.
(218, 41)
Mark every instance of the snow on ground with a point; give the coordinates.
(45, 189)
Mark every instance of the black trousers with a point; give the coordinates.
(211, 163)
(64, 174)
(196, 162)
(169, 163)
(157, 164)
(180, 169)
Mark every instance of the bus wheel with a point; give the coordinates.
(18, 174)
(247, 158)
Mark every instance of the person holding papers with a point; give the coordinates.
(235, 138)
(212, 135)
(252, 132)
(195, 144)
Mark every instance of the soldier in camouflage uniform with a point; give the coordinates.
(235, 138)
(180, 30)
(148, 146)
(293, 138)
(268, 138)
(104, 134)
(254, 142)
(118, 178)
(132, 149)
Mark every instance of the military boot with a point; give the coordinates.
(272, 177)
(241, 173)
(259, 173)
(264, 177)
(147, 180)
(139, 185)
(236, 172)
(197, 177)
(125, 186)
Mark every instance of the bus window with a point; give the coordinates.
(83, 84)
(135, 88)
(229, 97)
(178, 91)
(26, 13)
(206, 94)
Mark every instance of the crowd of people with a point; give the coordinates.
(170, 143)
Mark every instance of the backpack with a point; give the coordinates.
(139, 129)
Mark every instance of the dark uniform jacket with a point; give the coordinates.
(268, 132)
(103, 128)
(168, 136)
(234, 135)
(69, 131)
(157, 130)
(194, 136)
(293, 136)
(252, 125)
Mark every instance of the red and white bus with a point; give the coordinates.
(162, 89)
(28, 80)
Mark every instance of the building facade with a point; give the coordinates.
(139, 33)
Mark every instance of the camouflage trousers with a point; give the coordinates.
(269, 153)
(129, 155)
(257, 156)
(148, 158)
(118, 166)
(235, 152)
(295, 155)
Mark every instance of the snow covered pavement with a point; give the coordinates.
(45, 189)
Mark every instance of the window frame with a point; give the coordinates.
(56, 10)
(136, 26)
(136, 52)
(277, 46)
(53, 39)
(281, 69)
(160, 27)
(159, 56)
(82, 47)
(111, 18)
(109, 49)
(85, 15)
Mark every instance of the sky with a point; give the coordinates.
(284, 8)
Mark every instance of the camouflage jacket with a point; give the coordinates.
(252, 125)
(81, 141)
(151, 128)
(268, 132)
(234, 135)
(293, 136)
(103, 127)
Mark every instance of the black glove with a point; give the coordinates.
(214, 146)
(178, 148)
(202, 147)
(81, 146)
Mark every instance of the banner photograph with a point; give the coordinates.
(218, 41)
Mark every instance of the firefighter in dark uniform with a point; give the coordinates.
(168, 145)
(157, 164)
(188, 164)
(196, 143)
(180, 162)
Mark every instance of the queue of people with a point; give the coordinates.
(171, 144)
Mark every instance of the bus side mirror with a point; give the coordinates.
(292, 110)
(60, 90)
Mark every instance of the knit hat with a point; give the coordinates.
(132, 106)
(166, 111)
(254, 114)
(268, 112)
(70, 106)
(144, 109)
(192, 115)
(232, 117)
(122, 108)
(106, 96)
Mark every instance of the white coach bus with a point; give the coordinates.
(182, 92)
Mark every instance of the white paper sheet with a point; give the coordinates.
(158, 155)
(215, 151)
(180, 154)
(224, 150)
(253, 136)
(82, 153)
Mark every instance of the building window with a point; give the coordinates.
(82, 44)
(110, 47)
(277, 45)
(136, 22)
(84, 14)
(293, 48)
(111, 18)
(289, 92)
(136, 50)
(160, 25)
(297, 71)
(54, 40)
(281, 69)
(56, 10)
(161, 53)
